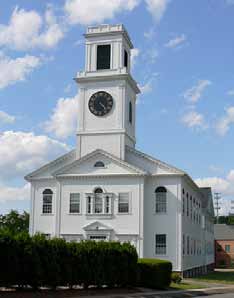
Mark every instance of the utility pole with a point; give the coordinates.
(217, 197)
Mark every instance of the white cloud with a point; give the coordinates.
(134, 54)
(63, 121)
(194, 94)
(148, 86)
(6, 118)
(230, 92)
(193, 119)
(150, 33)
(13, 70)
(225, 186)
(9, 193)
(175, 42)
(23, 152)
(157, 8)
(28, 30)
(87, 12)
(223, 124)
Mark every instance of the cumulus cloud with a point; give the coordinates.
(223, 124)
(23, 152)
(194, 93)
(134, 54)
(88, 12)
(28, 30)
(14, 70)
(63, 121)
(9, 193)
(193, 119)
(6, 118)
(224, 185)
(157, 8)
(175, 42)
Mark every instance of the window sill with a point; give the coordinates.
(74, 213)
(160, 213)
(98, 215)
(47, 214)
(123, 213)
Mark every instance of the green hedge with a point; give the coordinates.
(154, 273)
(36, 261)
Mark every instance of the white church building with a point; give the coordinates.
(105, 189)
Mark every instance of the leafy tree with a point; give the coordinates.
(14, 222)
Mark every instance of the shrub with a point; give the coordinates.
(36, 261)
(154, 273)
(176, 277)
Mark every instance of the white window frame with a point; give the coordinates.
(160, 205)
(129, 205)
(106, 203)
(161, 248)
(79, 203)
(47, 208)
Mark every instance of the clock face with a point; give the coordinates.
(100, 103)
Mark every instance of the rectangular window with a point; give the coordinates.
(123, 206)
(125, 58)
(47, 204)
(183, 202)
(98, 204)
(74, 203)
(89, 205)
(161, 202)
(160, 244)
(97, 237)
(107, 207)
(187, 205)
(227, 248)
(103, 56)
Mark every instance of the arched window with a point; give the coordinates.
(98, 202)
(161, 200)
(99, 164)
(47, 201)
(130, 112)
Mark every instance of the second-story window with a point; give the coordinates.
(47, 201)
(103, 56)
(125, 58)
(161, 200)
(123, 206)
(74, 203)
(99, 202)
(130, 112)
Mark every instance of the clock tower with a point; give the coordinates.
(107, 93)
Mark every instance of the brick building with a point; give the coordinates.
(224, 245)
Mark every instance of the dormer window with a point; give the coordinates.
(99, 164)
(103, 56)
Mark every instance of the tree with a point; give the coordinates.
(14, 222)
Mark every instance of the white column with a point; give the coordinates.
(58, 210)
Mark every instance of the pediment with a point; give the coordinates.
(87, 166)
(150, 164)
(97, 226)
(46, 170)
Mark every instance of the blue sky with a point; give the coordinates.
(183, 63)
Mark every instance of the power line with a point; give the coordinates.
(217, 198)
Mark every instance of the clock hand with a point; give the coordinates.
(101, 104)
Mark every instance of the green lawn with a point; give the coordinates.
(186, 286)
(217, 277)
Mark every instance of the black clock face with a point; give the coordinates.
(100, 103)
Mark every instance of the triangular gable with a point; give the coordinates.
(97, 226)
(150, 164)
(47, 170)
(86, 166)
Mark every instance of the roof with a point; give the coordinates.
(223, 232)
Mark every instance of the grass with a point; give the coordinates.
(217, 277)
(185, 286)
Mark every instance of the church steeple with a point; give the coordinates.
(107, 92)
